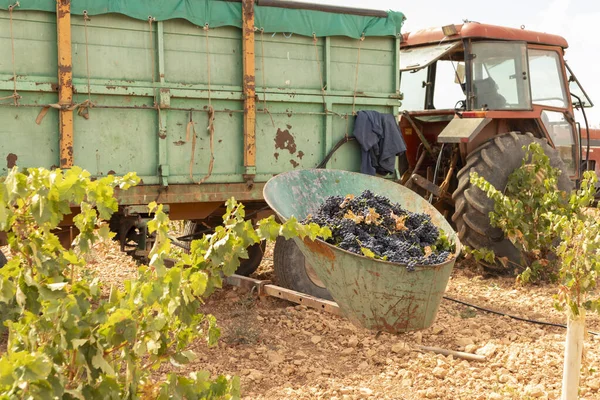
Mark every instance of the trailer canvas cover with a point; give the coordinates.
(215, 13)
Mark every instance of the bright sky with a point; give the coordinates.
(575, 20)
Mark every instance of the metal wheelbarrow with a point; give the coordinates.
(373, 294)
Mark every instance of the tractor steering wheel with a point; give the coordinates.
(460, 106)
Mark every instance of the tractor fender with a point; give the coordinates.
(462, 129)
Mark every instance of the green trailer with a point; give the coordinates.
(204, 99)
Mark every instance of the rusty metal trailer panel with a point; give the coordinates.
(200, 113)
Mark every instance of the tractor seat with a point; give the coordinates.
(487, 96)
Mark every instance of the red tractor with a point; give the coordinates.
(474, 95)
(593, 154)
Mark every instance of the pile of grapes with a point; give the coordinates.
(371, 225)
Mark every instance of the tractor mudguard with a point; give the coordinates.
(462, 130)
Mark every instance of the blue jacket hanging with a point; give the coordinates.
(380, 140)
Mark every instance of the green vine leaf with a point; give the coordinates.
(558, 232)
(67, 338)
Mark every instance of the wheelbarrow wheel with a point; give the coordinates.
(294, 272)
(247, 266)
(495, 160)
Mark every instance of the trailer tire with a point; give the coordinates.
(495, 160)
(247, 266)
(293, 272)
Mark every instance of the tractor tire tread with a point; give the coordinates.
(494, 160)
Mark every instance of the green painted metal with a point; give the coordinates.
(374, 294)
(126, 130)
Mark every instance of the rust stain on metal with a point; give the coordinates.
(110, 87)
(248, 9)
(285, 141)
(319, 248)
(65, 69)
(404, 316)
(373, 273)
(294, 163)
(162, 135)
(250, 82)
(111, 172)
(276, 155)
(300, 154)
(11, 160)
(288, 126)
(179, 143)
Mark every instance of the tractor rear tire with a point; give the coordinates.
(495, 160)
(247, 266)
(293, 272)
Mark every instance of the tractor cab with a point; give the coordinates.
(476, 96)
(467, 83)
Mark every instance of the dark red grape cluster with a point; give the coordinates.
(372, 225)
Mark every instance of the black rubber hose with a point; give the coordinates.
(587, 129)
(533, 321)
(339, 144)
(437, 168)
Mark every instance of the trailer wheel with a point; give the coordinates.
(294, 272)
(247, 266)
(495, 160)
(3, 259)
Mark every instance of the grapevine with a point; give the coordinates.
(373, 226)
(69, 341)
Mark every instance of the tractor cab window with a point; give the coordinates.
(577, 91)
(414, 58)
(413, 85)
(561, 133)
(449, 84)
(547, 83)
(499, 76)
(429, 76)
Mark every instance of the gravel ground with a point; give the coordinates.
(284, 351)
